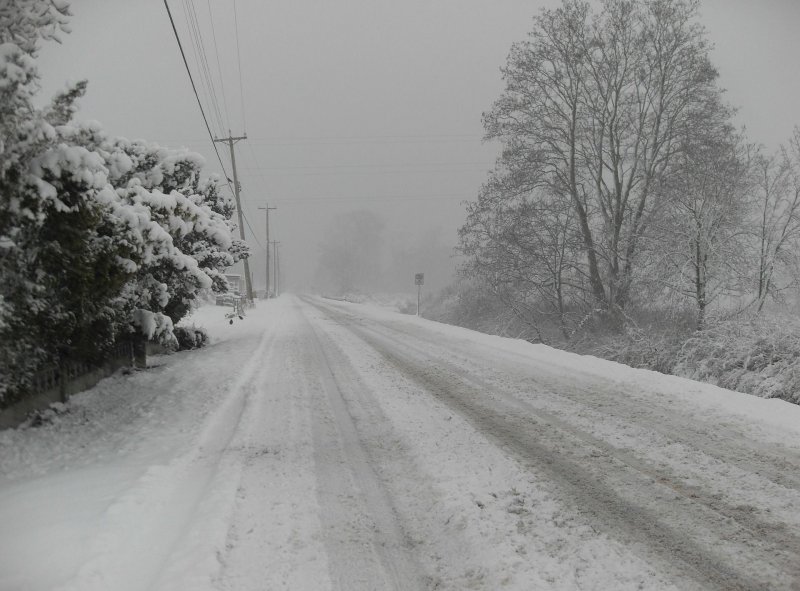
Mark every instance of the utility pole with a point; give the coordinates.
(266, 212)
(275, 244)
(230, 140)
(278, 277)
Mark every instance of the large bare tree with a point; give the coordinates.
(596, 108)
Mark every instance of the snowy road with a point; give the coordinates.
(325, 445)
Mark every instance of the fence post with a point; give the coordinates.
(139, 344)
(62, 382)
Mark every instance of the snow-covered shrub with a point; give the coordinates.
(28, 306)
(99, 237)
(759, 356)
(634, 346)
(63, 259)
(27, 22)
(647, 338)
(190, 337)
(191, 210)
(471, 304)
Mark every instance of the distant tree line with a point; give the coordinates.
(623, 183)
(100, 238)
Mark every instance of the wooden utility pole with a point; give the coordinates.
(230, 140)
(266, 211)
(275, 244)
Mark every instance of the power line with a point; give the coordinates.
(202, 111)
(259, 171)
(360, 168)
(255, 237)
(239, 63)
(379, 139)
(219, 67)
(247, 221)
(345, 173)
(205, 120)
(254, 158)
(206, 65)
(196, 35)
(400, 167)
(366, 140)
(197, 96)
(261, 175)
(193, 42)
(430, 197)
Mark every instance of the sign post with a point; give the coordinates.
(419, 280)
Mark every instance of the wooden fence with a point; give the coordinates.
(57, 383)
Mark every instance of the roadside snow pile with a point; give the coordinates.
(761, 358)
(755, 356)
(398, 302)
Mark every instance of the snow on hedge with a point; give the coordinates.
(100, 237)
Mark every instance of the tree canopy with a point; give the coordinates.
(621, 175)
(100, 237)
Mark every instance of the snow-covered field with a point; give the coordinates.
(325, 445)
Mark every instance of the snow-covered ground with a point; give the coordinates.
(325, 445)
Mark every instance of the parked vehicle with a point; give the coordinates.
(227, 299)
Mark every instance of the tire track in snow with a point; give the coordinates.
(774, 464)
(367, 546)
(723, 467)
(775, 533)
(209, 487)
(273, 539)
(780, 466)
(164, 506)
(639, 520)
(751, 469)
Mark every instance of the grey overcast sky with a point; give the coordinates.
(362, 104)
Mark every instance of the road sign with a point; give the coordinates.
(419, 279)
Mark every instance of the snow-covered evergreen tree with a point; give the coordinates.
(192, 210)
(99, 237)
(24, 133)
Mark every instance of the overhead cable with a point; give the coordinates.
(219, 67)
(197, 96)
(196, 35)
(239, 62)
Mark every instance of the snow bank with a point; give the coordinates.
(776, 420)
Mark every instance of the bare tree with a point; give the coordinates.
(702, 239)
(777, 231)
(540, 116)
(597, 106)
(526, 247)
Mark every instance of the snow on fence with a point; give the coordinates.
(56, 383)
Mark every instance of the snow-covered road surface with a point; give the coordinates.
(324, 445)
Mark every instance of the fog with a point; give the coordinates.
(363, 118)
